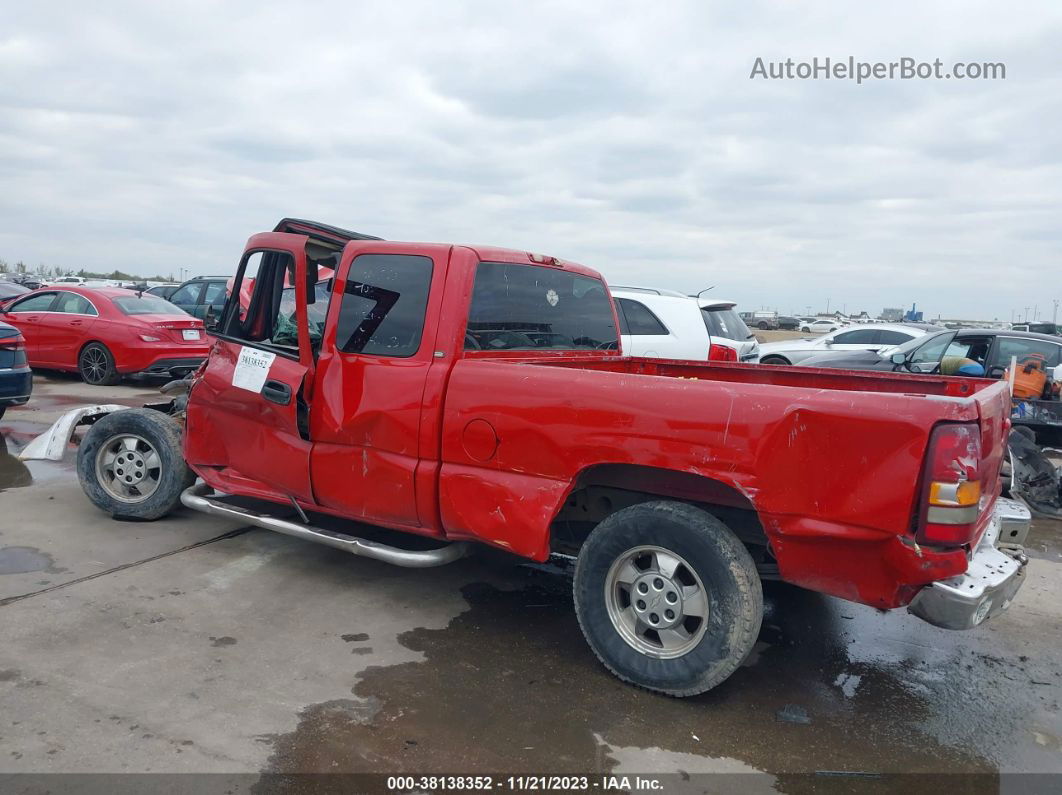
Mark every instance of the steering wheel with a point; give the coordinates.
(472, 343)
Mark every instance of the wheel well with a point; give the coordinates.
(602, 490)
(772, 358)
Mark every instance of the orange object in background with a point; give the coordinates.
(1030, 377)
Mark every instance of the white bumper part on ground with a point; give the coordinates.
(994, 576)
(51, 444)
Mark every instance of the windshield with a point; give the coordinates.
(918, 342)
(146, 304)
(724, 322)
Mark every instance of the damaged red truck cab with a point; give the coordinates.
(475, 394)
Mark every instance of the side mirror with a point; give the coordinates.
(898, 358)
(210, 319)
(828, 343)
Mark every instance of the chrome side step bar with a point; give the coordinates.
(195, 498)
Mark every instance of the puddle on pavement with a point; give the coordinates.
(510, 685)
(22, 560)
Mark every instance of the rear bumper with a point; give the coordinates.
(15, 386)
(995, 573)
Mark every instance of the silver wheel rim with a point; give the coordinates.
(656, 602)
(128, 467)
(94, 365)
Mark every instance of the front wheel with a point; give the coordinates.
(774, 360)
(668, 597)
(130, 464)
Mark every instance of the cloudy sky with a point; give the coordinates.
(149, 137)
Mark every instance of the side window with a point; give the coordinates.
(75, 304)
(893, 337)
(41, 302)
(214, 295)
(1016, 346)
(862, 336)
(186, 295)
(640, 319)
(384, 300)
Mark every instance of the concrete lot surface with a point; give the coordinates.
(190, 644)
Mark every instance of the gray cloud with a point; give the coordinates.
(626, 136)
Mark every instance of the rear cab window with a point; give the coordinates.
(532, 307)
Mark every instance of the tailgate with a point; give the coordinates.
(993, 409)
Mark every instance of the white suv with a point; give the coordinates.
(665, 324)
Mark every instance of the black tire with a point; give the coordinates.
(713, 552)
(774, 360)
(805, 330)
(158, 432)
(96, 365)
(763, 326)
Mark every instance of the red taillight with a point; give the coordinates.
(16, 343)
(722, 353)
(951, 488)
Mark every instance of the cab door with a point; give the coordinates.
(372, 420)
(248, 413)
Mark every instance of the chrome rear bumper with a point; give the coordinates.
(995, 574)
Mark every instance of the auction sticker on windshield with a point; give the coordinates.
(252, 369)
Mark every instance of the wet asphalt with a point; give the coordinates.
(316, 662)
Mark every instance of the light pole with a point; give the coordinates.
(1054, 315)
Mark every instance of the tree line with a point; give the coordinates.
(55, 271)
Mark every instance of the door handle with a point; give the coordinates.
(76, 322)
(276, 392)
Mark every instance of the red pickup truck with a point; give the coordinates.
(477, 394)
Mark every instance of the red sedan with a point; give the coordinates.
(106, 333)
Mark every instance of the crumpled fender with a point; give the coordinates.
(51, 444)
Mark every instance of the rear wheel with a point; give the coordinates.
(130, 464)
(668, 597)
(773, 360)
(96, 365)
(763, 326)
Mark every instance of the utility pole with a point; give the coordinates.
(1035, 313)
(1054, 315)
(1026, 314)
(827, 306)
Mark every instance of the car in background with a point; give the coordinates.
(991, 348)
(72, 281)
(840, 342)
(762, 319)
(787, 323)
(666, 324)
(16, 378)
(202, 296)
(10, 291)
(1038, 328)
(107, 333)
(821, 325)
(164, 291)
(27, 280)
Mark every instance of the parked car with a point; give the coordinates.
(838, 343)
(16, 380)
(821, 326)
(202, 296)
(669, 325)
(991, 348)
(164, 291)
(106, 333)
(465, 394)
(27, 280)
(9, 291)
(72, 281)
(787, 323)
(1037, 328)
(762, 319)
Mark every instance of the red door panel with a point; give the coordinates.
(248, 411)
